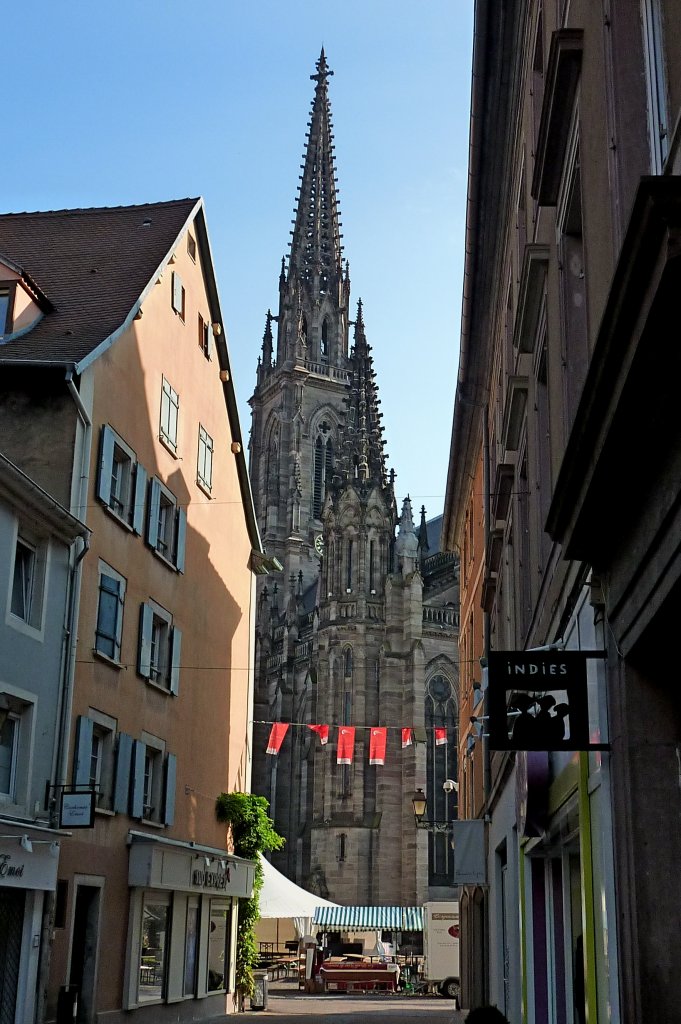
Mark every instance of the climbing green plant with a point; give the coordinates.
(253, 833)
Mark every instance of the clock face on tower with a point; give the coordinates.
(319, 544)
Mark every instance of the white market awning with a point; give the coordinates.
(280, 897)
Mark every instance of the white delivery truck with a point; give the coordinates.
(441, 947)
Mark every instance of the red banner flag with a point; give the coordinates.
(322, 731)
(440, 737)
(277, 733)
(377, 743)
(407, 738)
(346, 744)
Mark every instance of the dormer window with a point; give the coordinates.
(6, 308)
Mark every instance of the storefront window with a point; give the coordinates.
(191, 947)
(155, 936)
(218, 951)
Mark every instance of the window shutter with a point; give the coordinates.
(177, 293)
(175, 650)
(169, 790)
(144, 641)
(207, 341)
(106, 454)
(152, 516)
(139, 752)
(121, 794)
(83, 751)
(139, 498)
(181, 534)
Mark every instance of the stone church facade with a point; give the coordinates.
(362, 628)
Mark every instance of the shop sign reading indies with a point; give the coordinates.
(537, 700)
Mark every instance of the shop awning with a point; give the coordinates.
(369, 919)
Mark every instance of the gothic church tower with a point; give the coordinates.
(360, 629)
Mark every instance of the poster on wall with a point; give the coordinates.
(537, 700)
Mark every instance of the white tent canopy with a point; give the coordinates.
(280, 897)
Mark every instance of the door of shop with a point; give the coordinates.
(12, 903)
(84, 949)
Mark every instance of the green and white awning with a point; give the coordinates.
(399, 919)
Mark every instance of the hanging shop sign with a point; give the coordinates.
(537, 700)
(77, 810)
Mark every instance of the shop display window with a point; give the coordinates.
(153, 954)
(218, 948)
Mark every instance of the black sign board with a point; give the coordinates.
(77, 809)
(537, 700)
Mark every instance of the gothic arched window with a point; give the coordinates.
(322, 467)
(324, 341)
(441, 711)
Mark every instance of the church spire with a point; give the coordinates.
(266, 363)
(316, 252)
(362, 455)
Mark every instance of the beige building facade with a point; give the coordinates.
(118, 397)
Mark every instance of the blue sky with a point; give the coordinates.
(143, 100)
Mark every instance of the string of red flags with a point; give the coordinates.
(322, 731)
(378, 739)
(346, 744)
(277, 733)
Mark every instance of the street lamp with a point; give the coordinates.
(419, 802)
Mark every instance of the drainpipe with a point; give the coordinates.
(486, 754)
(68, 666)
(74, 610)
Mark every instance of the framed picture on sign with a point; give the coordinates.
(538, 700)
(77, 810)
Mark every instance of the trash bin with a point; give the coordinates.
(259, 997)
(67, 1004)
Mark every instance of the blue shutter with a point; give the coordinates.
(152, 517)
(181, 537)
(121, 793)
(139, 752)
(83, 751)
(175, 650)
(106, 454)
(139, 498)
(169, 790)
(144, 641)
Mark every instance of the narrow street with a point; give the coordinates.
(288, 1005)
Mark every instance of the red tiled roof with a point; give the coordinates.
(92, 265)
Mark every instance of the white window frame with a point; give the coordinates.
(104, 734)
(106, 570)
(170, 415)
(204, 463)
(8, 795)
(154, 756)
(34, 624)
(22, 710)
(166, 525)
(657, 104)
(159, 647)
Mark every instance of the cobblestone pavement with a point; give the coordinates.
(286, 1005)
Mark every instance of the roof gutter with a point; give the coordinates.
(462, 403)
